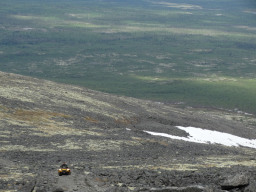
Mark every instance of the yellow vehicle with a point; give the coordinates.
(64, 170)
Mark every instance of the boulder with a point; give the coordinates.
(237, 181)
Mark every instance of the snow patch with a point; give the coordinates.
(198, 135)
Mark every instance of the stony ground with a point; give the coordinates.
(102, 138)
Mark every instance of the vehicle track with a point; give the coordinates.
(75, 182)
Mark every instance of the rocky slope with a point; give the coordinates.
(102, 137)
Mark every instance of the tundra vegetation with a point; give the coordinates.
(199, 52)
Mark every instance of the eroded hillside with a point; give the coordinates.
(102, 137)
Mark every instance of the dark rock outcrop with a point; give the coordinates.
(238, 181)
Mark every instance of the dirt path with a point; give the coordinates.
(75, 182)
(67, 182)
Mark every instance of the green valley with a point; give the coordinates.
(198, 52)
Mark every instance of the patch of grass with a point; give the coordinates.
(90, 119)
(126, 121)
(216, 92)
(36, 116)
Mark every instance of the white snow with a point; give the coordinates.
(198, 135)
